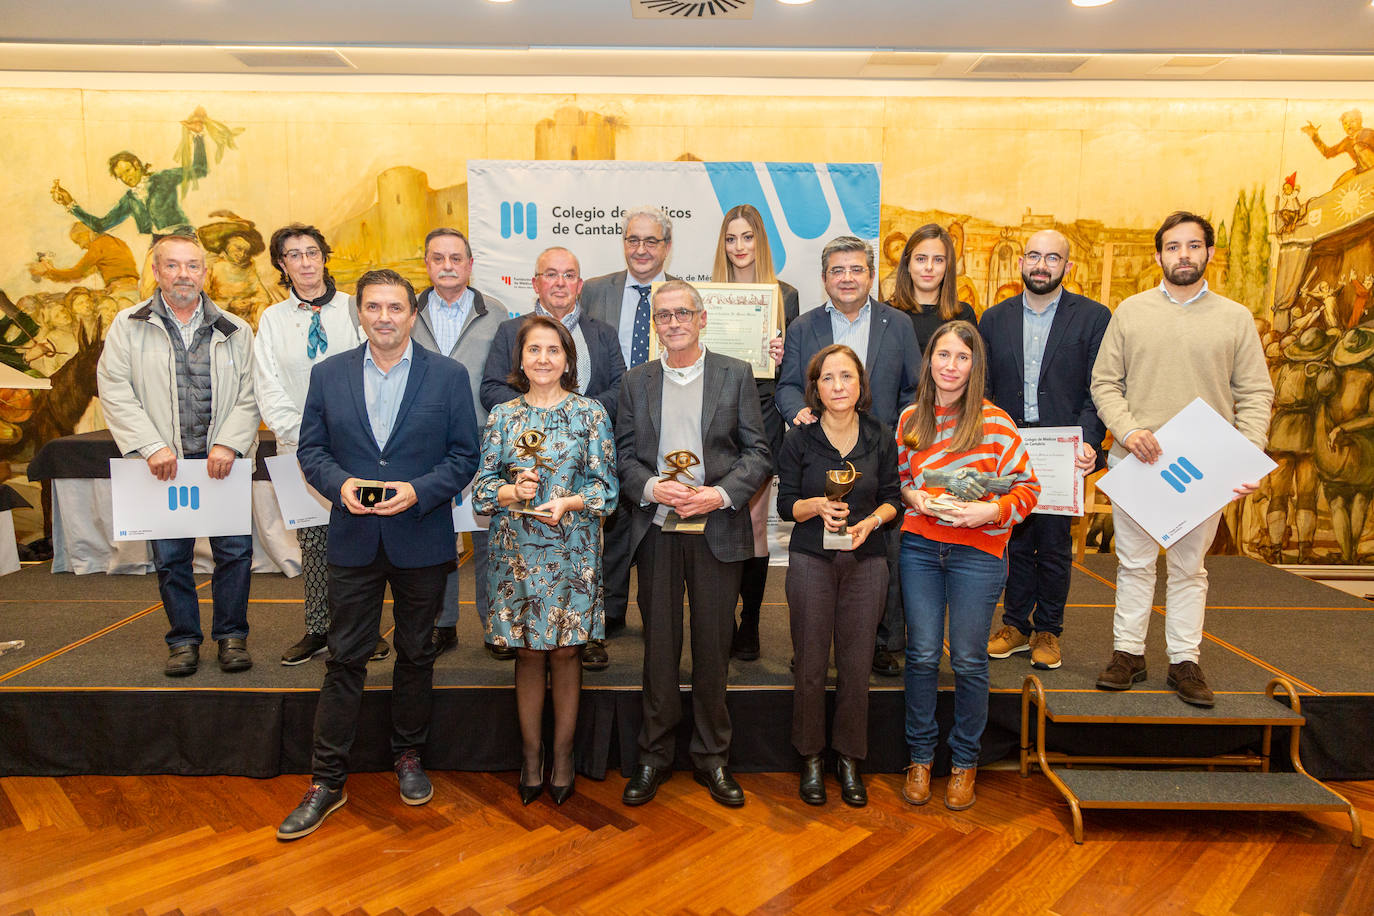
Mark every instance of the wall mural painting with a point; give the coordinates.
(1303, 262)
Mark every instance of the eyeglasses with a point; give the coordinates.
(295, 255)
(854, 270)
(681, 316)
(1035, 257)
(550, 276)
(648, 244)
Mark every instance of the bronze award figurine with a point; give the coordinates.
(681, 462)
(838, 484)
(530, 446)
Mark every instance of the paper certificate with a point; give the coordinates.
(189, 506)
(1052, 450)
(301, 505)
(1204, 459)
(741, 318)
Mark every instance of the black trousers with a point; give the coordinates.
(1039, 560)
(615, 562)
(667, 564)
(355, 594)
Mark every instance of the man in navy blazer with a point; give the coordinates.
(393, 416)
(1041, 348)
(885, 341)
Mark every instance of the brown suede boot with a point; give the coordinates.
(959, 789)
(916, 788)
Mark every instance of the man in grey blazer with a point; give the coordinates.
(621, 300)
(690, 445)
(885, 340)
(457, 321)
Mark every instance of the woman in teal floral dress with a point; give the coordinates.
(553, 451)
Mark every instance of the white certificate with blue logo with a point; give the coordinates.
(190, 505)
(1204, 459)
(301, 505)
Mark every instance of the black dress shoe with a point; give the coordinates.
(233, 655)
(416, 789)
(529, 793)
(813, 780)
(643, 784)
(380, 651)
(500, 653)
(851, 783)
(560, 794)
(303, 651)
(443, 639)
(885, 663)
(182, 660)
(318, 804)
(721, 785)
(594, 657)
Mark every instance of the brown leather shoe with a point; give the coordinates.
(1045, 653)
(916, 788)
(1186, 678)
(1122, 671)
(959, 789)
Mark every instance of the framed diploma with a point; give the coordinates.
(1052, 450)
(741, 318)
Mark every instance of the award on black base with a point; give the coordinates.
(530, 446)
(680, 462)
(838, 484)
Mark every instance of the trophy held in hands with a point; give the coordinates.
(838, 484)
(681, 462)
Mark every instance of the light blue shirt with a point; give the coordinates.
(382, 392)
(448, 320)
(1168, 295)
(1035, 330)
(629, 302)
(853, 334)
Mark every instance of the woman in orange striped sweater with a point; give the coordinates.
(966, 481)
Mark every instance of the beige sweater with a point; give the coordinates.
(1157, 356)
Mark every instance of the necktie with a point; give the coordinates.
(639, 341)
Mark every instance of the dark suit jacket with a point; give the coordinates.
(735, 451)
(1065, 371)
(603, 349)
(433, 446)
(602, 297)
(893, 362)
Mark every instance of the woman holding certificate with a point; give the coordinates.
(927, 280)
(966, 480)
(743, 256)
(546, 476)
(837, 479)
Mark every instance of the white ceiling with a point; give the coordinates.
(1255, 39)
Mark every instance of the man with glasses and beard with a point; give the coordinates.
(1163, 348)
(1041, 347)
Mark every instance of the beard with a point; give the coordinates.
(1185, 274)
(1045, 283)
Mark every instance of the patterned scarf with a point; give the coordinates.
(316, 341)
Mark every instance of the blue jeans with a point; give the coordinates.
(176, 584)
(448, 616)
(965, 581)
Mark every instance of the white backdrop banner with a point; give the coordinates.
(516, 209)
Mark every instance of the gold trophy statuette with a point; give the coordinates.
(681, 462)
(838, 484)
(530, 446)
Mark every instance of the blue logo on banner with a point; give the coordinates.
(519, 219)
(1180, 473)
(183, 497)
(797, 186)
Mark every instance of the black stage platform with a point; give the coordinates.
(87, 693)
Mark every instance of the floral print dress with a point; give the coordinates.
(544, 582)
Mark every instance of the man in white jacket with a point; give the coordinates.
(176, 381)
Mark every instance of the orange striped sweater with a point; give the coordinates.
(1001, 453)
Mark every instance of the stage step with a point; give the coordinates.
(1194, 791)
(1160, 708)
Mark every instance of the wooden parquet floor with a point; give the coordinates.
(193, 845)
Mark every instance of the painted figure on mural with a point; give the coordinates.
(1294, 369)
(1358, 144)
(102, 254)
(1289, 209)
(1344, 438)
(233, 281)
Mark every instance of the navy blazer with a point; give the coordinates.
(603, 349)
(893, 361)
(433, 446)
(1065, 371)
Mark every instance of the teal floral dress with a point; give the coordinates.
(544, 582)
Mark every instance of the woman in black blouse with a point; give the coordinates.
(836, 594)
(927, 281)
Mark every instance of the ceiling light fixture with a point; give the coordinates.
(804, 2)
(1090, 2)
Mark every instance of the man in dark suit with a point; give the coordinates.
(557, 284)
(1041, 348)
(885, 340)
(393, 416)
(621, 300)
(702, 403)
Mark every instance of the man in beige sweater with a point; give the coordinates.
(1163, 348)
